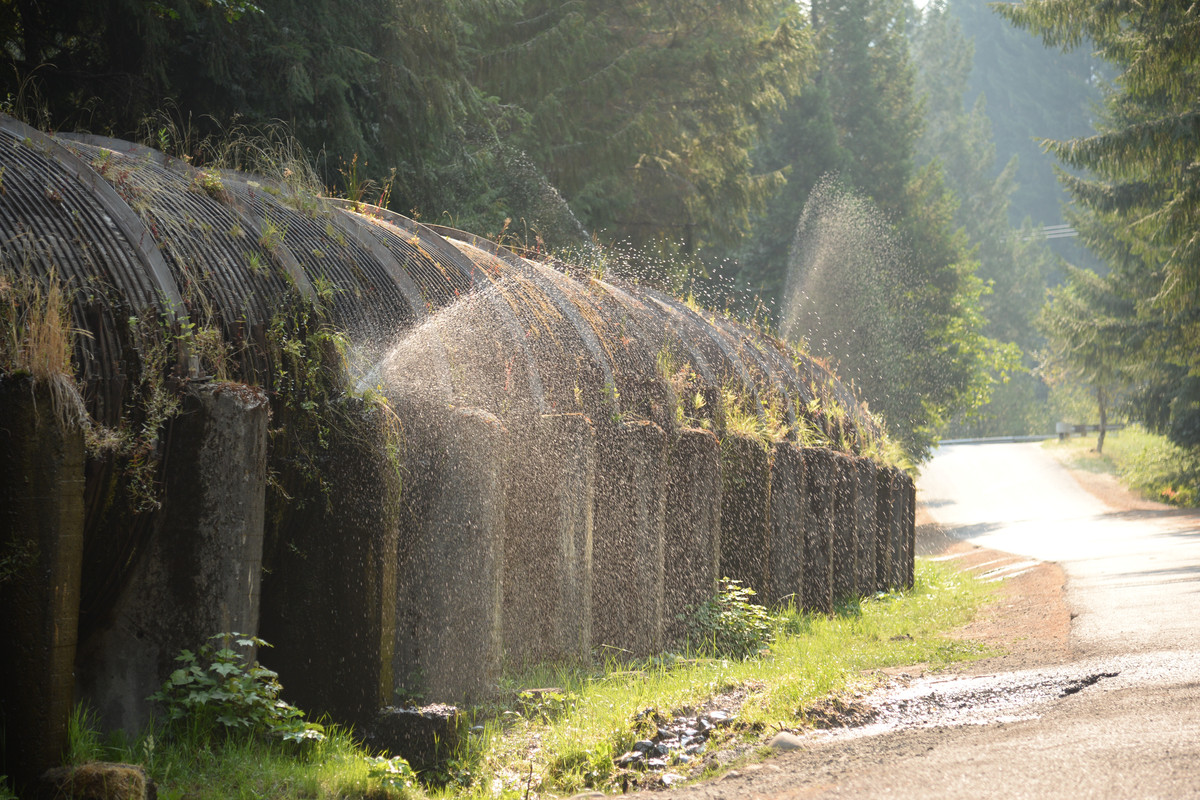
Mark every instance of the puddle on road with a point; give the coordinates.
(950, 702)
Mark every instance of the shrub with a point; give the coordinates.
(730, 624)
(218, 689)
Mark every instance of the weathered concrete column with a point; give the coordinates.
(884, 484)
(819, 487)
(896, 568)
(548, 541)
(868, 533)
(199, 574)
(786, 569)
(329, 592)
(910, 530)
(845, 528)
(41, 548)
(745, 515)
(449, 623)
(692, 530)
(627, 564)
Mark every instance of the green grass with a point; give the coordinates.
(811, 657)
(1147, 463)
(565, 742)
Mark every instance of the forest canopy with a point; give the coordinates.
(709, 141)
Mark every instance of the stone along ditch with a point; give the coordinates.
(407, 457)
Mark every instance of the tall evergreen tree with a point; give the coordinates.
(643, 113)
(1143, 193)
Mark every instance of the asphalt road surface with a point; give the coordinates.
(1119, 719)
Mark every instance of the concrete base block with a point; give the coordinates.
(845, 528)
(627, 566)
(745, 517)
(864, 515)
(41, 547)
(548, 542)
(449, 623)
(692, 529)
(199, 574)
(786, 568)
(820, 486)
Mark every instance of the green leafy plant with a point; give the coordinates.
(731, 624)
(218, 689)
(391, 773)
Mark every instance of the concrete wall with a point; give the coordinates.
(785, 583)
(627, 567)
(199, 574)
(745, 511)
(330, 577)
(845, 528)
(820, 473)
(451, 559)
(692, 529)
(41, 544)
(547, 580)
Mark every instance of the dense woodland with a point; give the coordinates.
(864, 176)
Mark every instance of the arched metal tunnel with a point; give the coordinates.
(579, 458)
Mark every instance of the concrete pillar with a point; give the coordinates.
(199, 574)
(548, 542)
(786, 568)
(745, 515)
(868, 534)
(41, 549)
(883, 529)
(329, 592)
(819, 488)
(896, 569)
(449, 623)
(627, 564)
(692, 529)
(845, 528)
(910, 530)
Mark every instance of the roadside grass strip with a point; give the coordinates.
(567, 739)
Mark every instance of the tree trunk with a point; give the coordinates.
(1101, 401)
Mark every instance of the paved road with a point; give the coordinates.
(1121, 721)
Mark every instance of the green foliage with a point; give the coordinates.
(1148, 463)
(730, 624)
(216, 689)
(391, 772)
(643, 113)
(1136, 202)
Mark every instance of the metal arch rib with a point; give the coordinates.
(533, 271)
(128, 222)
(465, 266)
(476, 278)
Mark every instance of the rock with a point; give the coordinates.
(671, 779)
(644, 746)
(424, 736)
(784, 741)
(97, 781)
(632, 758)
